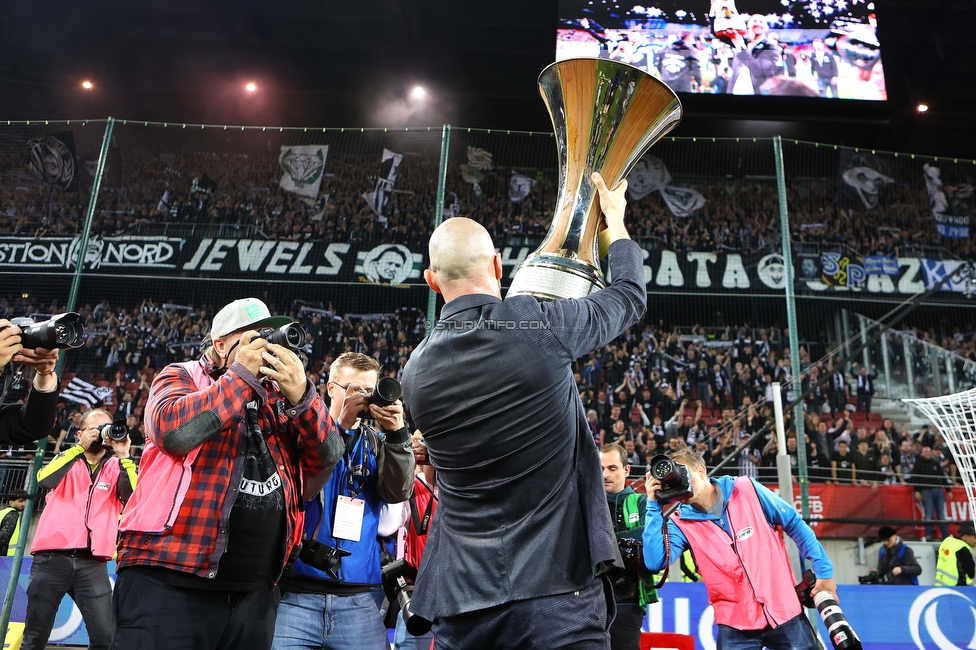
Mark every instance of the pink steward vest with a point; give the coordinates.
(78, 510)
(163, 480)
(748, 576)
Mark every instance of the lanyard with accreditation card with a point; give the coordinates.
(349, 510)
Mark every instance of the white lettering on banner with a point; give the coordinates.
(251, 254)
(880, 284)
(816, 508)
(298, 267)
(648, 273)
(217, 254)
(514, 262)
(706, 633)
(261, 488)
(283, 253)
(735, 276)
(198, 255)
(908, 283)
(959, 510)
(701, 261)
(334, 262)
(47, 253)
(669, 273)
(136, 254)
(682, 617)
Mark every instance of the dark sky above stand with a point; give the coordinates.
(331, 63)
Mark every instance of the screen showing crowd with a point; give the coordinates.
(812, 48)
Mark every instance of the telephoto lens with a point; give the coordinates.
(61, 332)
(841, 634)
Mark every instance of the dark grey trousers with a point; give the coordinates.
(579, 620)
(84, 579)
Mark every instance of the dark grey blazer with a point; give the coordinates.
(522, 511)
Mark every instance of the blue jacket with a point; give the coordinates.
(363, 565)
(778, 513)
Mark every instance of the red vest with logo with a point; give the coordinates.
(748, 576)
(80, 510)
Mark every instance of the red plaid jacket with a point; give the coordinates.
(198, 536)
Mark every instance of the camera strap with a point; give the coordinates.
(421, 525)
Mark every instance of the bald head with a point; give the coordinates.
(458, 248)
(462, 259)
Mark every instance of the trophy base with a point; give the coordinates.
(553, 277)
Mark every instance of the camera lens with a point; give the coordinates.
(116, 430)
(294, 336)
(662, 469)
(387, 391)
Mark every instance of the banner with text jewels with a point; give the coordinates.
(394, 264)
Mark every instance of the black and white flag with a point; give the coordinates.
(519, 187)
(650, 175)
(378, 199)
(81, 392)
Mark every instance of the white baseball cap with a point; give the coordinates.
(248, 313)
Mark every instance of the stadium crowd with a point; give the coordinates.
(242, 191)
(657, 386)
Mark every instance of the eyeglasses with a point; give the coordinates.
(367, 389)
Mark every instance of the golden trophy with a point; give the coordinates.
(606, 115)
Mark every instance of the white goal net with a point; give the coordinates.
(955, 418)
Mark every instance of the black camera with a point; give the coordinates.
(291, 336)
(842, 635)
(326, 559)
(398, 581)
(386, 391)
(117, 430)
(626, 581)
(60, 332)
(675, 479)
(873, 578)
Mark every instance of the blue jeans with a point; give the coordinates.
(934, 502)
(403, 640)
(794, 634)
(329, 622)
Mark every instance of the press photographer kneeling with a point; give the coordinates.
(732, 526)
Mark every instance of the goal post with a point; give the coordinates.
(955, 418)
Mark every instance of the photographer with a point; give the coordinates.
(33, 420)
(231, 437)
(76, 534)
(627, 507)
(344, 514)
(749, 581)
(896, 561)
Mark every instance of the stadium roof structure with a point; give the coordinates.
(339, 63)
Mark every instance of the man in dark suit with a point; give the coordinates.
(522, 538)
(865, 389)
(823, 65)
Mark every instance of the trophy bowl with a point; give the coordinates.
(606, 115)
